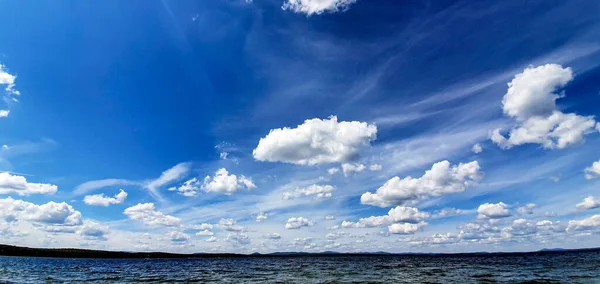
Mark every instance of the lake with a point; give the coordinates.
(564, 267)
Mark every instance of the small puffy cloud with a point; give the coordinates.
(477, 148)
(238, 238)
(173, 174)
(261, 217)
(527, 209)
(329, 217)
(399, 214)
(352, 168)
(205, 233)
(310, 7)
(318, 191)
(13, 184)
(584, 224)
(315, 142)
(8, 80)
(223, 155)
(531, 101)
(592, 171)
(223, 182)
(441, 179)
(493, 211)
(50, 216)
(375, 167)
(102, 200)
(146, 213)
(405, 228)
(203, 226)
(4, 113)
(230, 225)
(211, 240)
(273, 236)
(298, 222)
(333, 171)
(589, 202)
(178, 237)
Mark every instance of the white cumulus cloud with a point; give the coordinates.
(298, 222)
(13, 184)
(399, 214)
(527, 209)
(493, 211)
(589, 202)
(146, 213)
(531, 101)
(316, 141)
(221, 182)
(591, 222)
(102, 200)
(310, 7)
(592, 171)
(405, 228)
(51, 216)
(441, 179)
(352, 168)
(477, 148)
(261, 217)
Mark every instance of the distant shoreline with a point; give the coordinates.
(9, 250)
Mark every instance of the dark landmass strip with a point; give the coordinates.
(8, 250)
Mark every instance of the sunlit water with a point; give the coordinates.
(579, 267)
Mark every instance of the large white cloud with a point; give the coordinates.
(310, 7)
(50, 216)
(298, 222)
(318, 191)
(531, 101)
(593, 171)
(399, 214)
(13, 184)
(591, 222)
(441, 179)
(589, 202)
(316, 141)
(102, 200)
(146, 213)
(493, 211)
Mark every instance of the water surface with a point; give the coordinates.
(568, 267)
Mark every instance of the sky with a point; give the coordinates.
(296, 125)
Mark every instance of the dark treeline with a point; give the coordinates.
(8, 250)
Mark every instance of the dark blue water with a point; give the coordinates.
(581, 267)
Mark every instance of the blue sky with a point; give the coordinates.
(276, 125)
